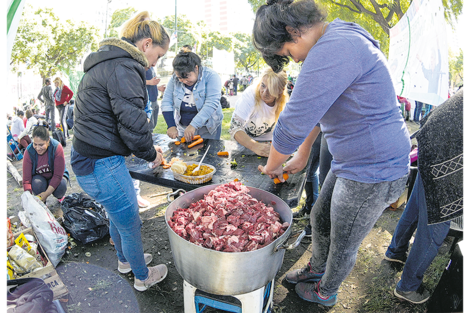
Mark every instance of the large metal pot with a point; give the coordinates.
(228, 273)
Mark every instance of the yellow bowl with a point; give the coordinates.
(195, 180)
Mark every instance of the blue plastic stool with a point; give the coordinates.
(258, 301)
(13, 144)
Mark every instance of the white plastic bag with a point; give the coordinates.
(51, 235)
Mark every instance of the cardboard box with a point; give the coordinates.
(48, 272)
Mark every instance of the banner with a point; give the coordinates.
(418, 55)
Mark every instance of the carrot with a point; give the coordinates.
(236, 179)
(196, 137)
(222, 153)
(277, 181)
(166, 166)
(183, 140)
(163, 162)
(177, 143)
(200, 140)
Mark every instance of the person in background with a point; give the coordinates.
(244, 82)
(44, 171)
(290, 86)
(235, 84)
(417, 111)
(224, 103)
(152, 89)
(366, 135)
(436, 199)
(191, 104)
(31, 121)
(69, 116)
(110, 123)
(405, 107)
(257, 111)
(62, 96)
(17, 131)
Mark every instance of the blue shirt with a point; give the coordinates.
(151, 89)
(345, 85)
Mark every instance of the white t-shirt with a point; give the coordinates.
(257, 121)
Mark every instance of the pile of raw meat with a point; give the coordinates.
(228, 219)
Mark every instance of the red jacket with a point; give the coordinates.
(66, 95)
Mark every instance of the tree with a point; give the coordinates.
(377, 17)
(118, 18)
(184, 25)
(44, 43)
(246, 55)
(456, 68)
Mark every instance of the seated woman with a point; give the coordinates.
(30, 123)
(191, 104)
(44, 171)
(257, 111)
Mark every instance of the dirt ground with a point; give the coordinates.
(369, 287)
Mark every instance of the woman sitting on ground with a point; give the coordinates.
(17, 131)
(44, 171)
(257, 111)
(31, 121)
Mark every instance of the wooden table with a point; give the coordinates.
(246, 170)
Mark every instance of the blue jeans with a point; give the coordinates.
(312, 176)
(417, 112)
(343, 215)
(111, 185)
(428, 109)
(203, 132)
(39, 184)
(427, 240)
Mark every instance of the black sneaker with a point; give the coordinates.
(417, 297)
(399, 259)
(300, 213)
(308, 231)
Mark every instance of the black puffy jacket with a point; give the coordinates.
(109, 116)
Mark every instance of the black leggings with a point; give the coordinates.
(63, 116)
(39, 184)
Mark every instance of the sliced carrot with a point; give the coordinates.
(183, 140)
(200, 140)
(177, 143)
(163, 162)
(285, 176)
(222, 153)
(196, 137)
(236, 179)
(166, 166)
(277, 181)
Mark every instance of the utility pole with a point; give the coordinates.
(106, 20)
(176, 27)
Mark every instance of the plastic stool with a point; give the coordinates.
(258, 301)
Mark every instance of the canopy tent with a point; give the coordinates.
(418, 54)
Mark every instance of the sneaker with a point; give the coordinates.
(142, 202)
(126, 267)
(308, 231)
(156, 275)
(300, 213)
(399, 259)
(311, 292)
(417, 297)
(303, 275)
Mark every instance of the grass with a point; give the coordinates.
(162, 126)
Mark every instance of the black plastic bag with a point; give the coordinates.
(84, 218)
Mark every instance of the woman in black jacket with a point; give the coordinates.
(110, 123)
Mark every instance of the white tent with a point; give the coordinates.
(418, 56)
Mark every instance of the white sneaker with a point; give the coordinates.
(125, 268)
(156, 275)
(142, 202)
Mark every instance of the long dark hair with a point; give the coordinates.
(185, 63)
(41, 132)
(269, 29)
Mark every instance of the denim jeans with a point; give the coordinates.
(417, 112)
(427, 240)
(312, 176)
(111, 185)
(343, 215)
(50, 116)
(203, 132)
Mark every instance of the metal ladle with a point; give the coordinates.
(200, 162)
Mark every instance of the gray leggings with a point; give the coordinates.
(39, 184)
(341, 218)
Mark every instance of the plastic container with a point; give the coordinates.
(195, 180)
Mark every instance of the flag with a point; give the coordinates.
(173, 38)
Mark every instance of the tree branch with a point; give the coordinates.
(345, 6)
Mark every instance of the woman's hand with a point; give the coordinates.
(296, 164)
(158, 160)
(189, 133)
(262, 149)
(172, 132)
(43, 196)
(272, 174)
(161, 88)
(158, 149)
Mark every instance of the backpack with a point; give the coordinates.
(29, 295)
(59, 136)
(226, 83)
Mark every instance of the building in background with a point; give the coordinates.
(228, 16)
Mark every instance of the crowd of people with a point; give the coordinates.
(355, 148)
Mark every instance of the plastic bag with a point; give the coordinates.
(51, 235)
(84, 218)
